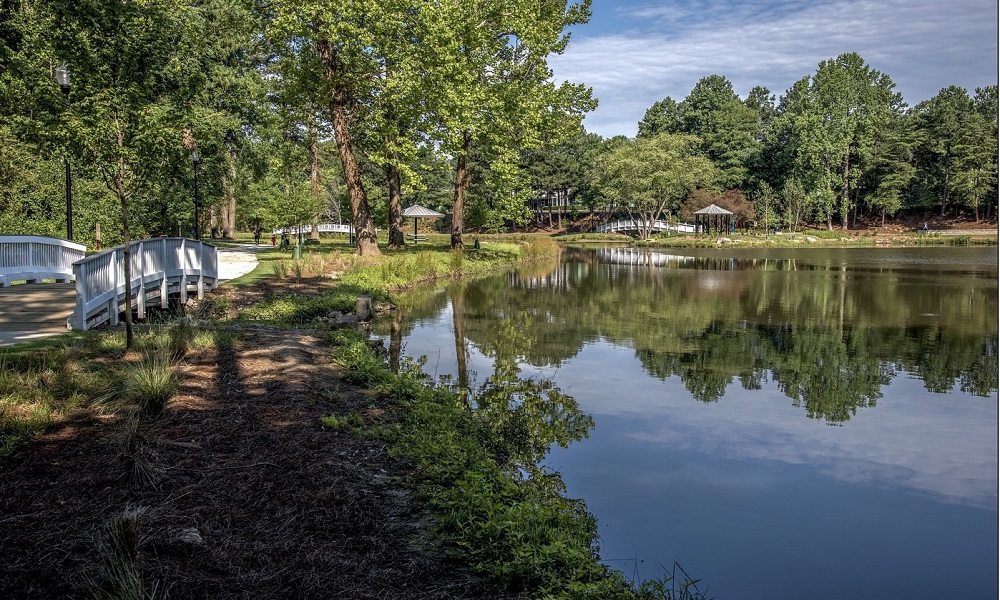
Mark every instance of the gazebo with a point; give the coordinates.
(417, 212)
(713, 216)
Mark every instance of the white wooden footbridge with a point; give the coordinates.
(632, 226)
(161, 268)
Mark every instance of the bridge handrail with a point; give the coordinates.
(323, 228)
(33, 258)
(633, 225)
(159, 265)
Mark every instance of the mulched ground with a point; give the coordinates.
(251, 497)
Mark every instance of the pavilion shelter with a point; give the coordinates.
(713, 217)
(419, 212)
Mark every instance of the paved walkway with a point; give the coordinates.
(37, 310)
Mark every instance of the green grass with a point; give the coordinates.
(41, 384)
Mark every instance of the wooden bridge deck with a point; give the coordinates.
(42, 307)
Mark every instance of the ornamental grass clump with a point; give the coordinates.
(135, 453)
(150, 383)
(118, 549)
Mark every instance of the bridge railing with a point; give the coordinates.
(323, 228)
(633, 225)
(33, 258)
(160, 267)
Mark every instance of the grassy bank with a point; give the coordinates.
(801, 239)
(472, 462)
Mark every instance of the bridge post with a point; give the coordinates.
(183, 261)
(78, 320)
(113, 302)
(163, 280)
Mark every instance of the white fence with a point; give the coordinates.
(633, 225)
(33, 258)
(160, 267)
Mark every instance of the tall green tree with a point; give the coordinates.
(832, 120)
(345, 44)
(943, 122)
(651, 177)
(500, 96)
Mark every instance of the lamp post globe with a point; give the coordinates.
(62, 78)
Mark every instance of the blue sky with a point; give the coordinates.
(635, 53)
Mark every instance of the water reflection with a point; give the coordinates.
(712, 381)
(829, 340)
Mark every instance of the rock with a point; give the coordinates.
(381, 307)
(190, 537)
(363, 308)
(347, 321)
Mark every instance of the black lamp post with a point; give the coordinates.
(195, 157)
(62, 77)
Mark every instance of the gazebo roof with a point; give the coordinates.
(419, 211)
(712, 209)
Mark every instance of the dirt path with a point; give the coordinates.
(250, 496)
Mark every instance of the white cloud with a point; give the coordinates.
(924, 45)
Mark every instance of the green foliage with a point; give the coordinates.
(650, 177)
(516, 530)
(40, 388)
(352, 422)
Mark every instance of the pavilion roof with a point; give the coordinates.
(419, 211)
(712, 209)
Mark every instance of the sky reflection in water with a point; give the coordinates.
(756, 499)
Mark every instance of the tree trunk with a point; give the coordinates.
(947, 177)
(845, 195)
(395, 180)
(462, 177)
(127, 254)
(228, 212)
(314, 186)
(364, 228)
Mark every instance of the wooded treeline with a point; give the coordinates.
(839, 147)
(302, 112)
(284, 113)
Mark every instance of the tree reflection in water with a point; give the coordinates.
(830, 336)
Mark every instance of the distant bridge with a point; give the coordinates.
(323, 228)
(632, 225)
(160, 267)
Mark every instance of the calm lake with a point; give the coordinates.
(785, 424)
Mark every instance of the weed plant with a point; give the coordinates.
(135, 453)
(351, 422)
(150, 383)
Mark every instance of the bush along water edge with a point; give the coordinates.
(509, 520)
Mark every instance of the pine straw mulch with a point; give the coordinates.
(250, 496)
